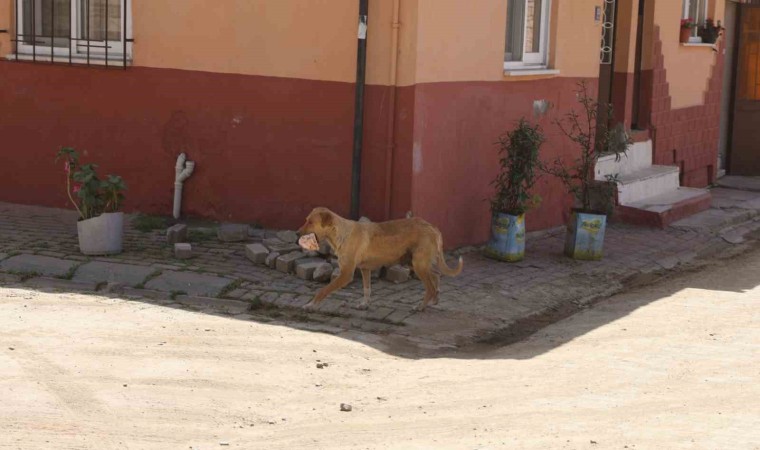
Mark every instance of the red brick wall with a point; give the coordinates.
(686, 137)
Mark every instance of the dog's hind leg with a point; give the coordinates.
(423, 268)
(436, 278)
(367, 282)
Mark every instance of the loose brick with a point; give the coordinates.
(286, 263)
(398, 274)
(305, 267)
(232, 232)
(183, 251)
(287, 236)
(323, 272)
(257, 253)
(271, 259)
(176, 234)
(279, 246)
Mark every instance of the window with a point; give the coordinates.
(527, 34)
(697, 11)
(63, 30)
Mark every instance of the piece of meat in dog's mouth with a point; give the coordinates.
(309, 242)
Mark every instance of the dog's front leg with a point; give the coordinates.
(345, 277)
(367, 282)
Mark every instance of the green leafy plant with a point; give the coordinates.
(90, 195)
(596, 137)
(519, 162)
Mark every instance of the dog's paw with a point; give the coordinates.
(311, 306)
(361, 306)
(419, 308)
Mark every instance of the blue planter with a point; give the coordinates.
(507, 238)
(585, 236)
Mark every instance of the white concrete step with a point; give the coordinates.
(639, 156)
(667, 201)
(646, 183)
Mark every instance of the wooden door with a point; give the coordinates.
(744, 157)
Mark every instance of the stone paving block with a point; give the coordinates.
(60, 285)
(176, 233)
(323, 272)
(215, 304)
(190, 283)
(257, 233)
(43, 265)
(257, 253)
(106, 272)
(287, 263)
(3, 256)
(271, 260)
(232, 232)
(306, 267)
(183, 251)
(287, 236)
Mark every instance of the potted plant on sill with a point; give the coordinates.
(101, 224)
(710, 32)
(594, 200)
(686, 26)
(519, 162)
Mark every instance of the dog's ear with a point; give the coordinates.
(326, 218)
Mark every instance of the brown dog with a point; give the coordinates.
(370, 246)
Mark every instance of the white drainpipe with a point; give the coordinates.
(183, 170)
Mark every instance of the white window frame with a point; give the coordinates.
(78, 47)
(533, 61)
(685, 15)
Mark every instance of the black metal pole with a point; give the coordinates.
(361, 71)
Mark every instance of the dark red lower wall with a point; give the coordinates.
(454, 158)
(267, 149)
(686, 137)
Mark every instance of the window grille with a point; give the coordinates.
(91, 32)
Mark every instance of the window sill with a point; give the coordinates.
(698, 45)
(95, 60)
(530, 72)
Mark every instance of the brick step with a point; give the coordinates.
(662, 210)
(638, 156)
(646, 183)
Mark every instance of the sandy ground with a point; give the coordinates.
(668, 367)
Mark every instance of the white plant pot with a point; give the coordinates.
(102, 235)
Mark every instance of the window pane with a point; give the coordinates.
(45, 20)
(534, 26)
(515, 29)
(97, 16)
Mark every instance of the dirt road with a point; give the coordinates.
(667, 367)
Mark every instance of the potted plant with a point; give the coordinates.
(710, 32)
(519, 162)
(686, 26)
(101, 225)
(594, 200)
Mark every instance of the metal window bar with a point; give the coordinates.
(20, 37)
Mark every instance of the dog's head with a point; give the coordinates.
(321, 222)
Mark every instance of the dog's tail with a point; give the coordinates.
(442, 266)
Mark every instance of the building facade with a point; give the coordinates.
(261, 93)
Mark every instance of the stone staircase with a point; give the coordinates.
(650, 195)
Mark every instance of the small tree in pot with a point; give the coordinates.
(596, 137)
(519, 162)
(101, 225)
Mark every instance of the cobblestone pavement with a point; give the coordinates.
(490, 301)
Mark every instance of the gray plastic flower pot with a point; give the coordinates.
(102, 235)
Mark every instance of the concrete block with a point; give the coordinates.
(305, 267)
(397, 274)
(232, 232)
(335, 274)
(323, 273)
(271, 259)
(288, 236)
(287, 263)
(257, 253)
(183, 251)
(42, 265)
(176, 234)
